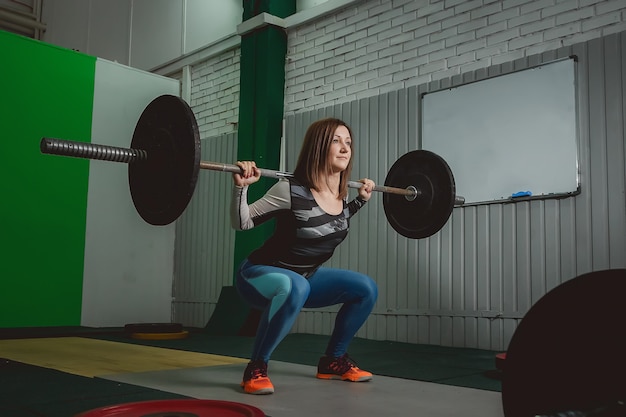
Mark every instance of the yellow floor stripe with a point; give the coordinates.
(91, 357)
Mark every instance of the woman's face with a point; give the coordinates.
(340, 149)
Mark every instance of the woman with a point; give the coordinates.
(285, 274)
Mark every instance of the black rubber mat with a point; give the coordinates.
(32, 391)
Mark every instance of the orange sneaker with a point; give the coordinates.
(255, 380)
(341, 368)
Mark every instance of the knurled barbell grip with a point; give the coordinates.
(91, 150)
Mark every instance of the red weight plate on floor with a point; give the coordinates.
(176, 408)
(500, 359)
(160, 336)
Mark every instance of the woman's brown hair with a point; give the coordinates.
(313, 163)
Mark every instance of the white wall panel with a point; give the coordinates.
(156, 32)
(208, 21)
(68, 24)
(109, 30)
(126, 259)
(140, 33)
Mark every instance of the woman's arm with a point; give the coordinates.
(365, 192)
(245, 216)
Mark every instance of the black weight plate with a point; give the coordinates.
(429, 212)
(162, 186)
(568, 354)
(153, 328)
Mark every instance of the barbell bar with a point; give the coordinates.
(410, 192)
(164, 161)
(129, 155)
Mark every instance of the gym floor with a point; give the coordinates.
(60, 372)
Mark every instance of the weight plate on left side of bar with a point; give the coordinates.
(162, 185)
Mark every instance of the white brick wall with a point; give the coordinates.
(384, 45)
(215, 94)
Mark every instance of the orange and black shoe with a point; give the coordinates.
(341, 368)
(255, 380)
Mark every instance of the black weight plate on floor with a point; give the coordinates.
(162, 186)
(153, 328)
(429, 212)
(568, 353)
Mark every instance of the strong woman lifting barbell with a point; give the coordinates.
(164, 161)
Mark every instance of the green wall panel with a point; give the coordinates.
(45, 91)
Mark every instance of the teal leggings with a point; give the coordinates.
(281, 293)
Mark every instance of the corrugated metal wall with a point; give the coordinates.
(470, 284)
(205, 242)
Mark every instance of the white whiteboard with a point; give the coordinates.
(508, 134)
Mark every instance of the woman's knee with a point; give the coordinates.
(367, 284)
(369, 289)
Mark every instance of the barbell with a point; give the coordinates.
(164, 162)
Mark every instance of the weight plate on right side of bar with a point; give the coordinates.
(429, 212)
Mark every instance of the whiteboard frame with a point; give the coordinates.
(466, 165)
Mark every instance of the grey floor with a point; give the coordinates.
(299, 393)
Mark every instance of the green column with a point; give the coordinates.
(262, 85)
